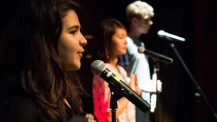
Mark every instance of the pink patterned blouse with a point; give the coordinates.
(102, 95)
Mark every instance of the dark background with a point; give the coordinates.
(195, 20)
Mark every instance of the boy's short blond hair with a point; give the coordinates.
(139, 9)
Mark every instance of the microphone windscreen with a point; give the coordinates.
(97, 67)
(141, 49)
(160, 33)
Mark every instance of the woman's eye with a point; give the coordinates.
(122, 37)
(73, 31)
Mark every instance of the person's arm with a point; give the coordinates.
(138, 90)
(150, 86)
(123, 102)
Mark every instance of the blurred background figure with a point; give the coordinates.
(139, 15)
(113, 44)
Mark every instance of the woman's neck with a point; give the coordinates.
(113, 62)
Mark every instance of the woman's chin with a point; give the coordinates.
(74, 67)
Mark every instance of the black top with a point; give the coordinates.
(19, 107)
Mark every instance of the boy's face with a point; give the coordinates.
(142, 25)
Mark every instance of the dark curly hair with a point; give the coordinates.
(29, 59)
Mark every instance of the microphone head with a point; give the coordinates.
(97, 67)
(141, 49)
(169, 36)
(161, 33)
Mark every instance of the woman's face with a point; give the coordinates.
(71, 42)
(119, 43)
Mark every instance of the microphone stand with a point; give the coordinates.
(194, 81)
(113, 102)
(113, 106)
(154, 96)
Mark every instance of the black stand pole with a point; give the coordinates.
(115, 96)
(194, 81)
(154, 96)
(113, 106)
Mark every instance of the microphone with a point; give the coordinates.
(155, 56)
(98, 68)
(169, 36)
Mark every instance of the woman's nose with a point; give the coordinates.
(83, 40)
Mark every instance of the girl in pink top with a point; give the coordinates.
(113, 44)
